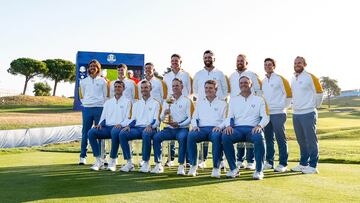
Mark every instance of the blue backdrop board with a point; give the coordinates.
(108, 61)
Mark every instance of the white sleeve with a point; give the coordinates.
(195, 116)
(263, 114)
(195, 85)
(126, 119)
(224, 86)
(103, 113)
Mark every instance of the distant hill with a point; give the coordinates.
(40, 101)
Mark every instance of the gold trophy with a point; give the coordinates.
(167, 118)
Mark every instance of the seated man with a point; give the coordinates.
(114, 116)
(210, 112)
(180, 112)
(248, 115)
(142, 125)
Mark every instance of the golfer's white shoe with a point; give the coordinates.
(192, 171)
(298, 168)
(158, 168)
(145, 168)
(250, 166)
(128, 167)
(310, 170)
(216, 172)
(233, 173)
(258, 175)
(181, 170)
(82, 161)
(280, 168)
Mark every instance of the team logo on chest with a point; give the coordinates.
(253, 105)
(216, 109)
(150, 109)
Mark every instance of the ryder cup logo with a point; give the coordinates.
(111, 58)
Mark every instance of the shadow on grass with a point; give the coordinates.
(31, 183)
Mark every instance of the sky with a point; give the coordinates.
(325, 32)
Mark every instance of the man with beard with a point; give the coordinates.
(158, 87)
(242, 70)
(209, 73)
(307, 96)
(177, 129)
(113, 118)
(93, 91)
(142, 125)
(177, 72)
(248, 115)
(277, 93)
(130, 91)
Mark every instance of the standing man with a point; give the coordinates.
(177, 72)
(180, 112)
(209, 113)
(248, 115)
(242, 70)
(210, 73)
(307, 96)
(158, 87)
(114, 117)
(132, 77)
(142, 125)
(130, 91)
(277, 93)
(93, 92)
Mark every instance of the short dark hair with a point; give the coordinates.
(208, 52)
(122, 65)
(119, 82)
(176, 55)
(179, 80)
(211, 82)
(145, 81)
(244, 76)
(271, 60)
(150, 64)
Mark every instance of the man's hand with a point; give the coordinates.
(256, 129)
(148, 129)
(126, 128)
(195, 129)
(98, 127)
(216, 129)
(174, 124)
(118, 126)
(229, 130)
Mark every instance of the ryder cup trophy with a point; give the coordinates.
(168, 118)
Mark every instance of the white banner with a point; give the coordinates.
(39, 136)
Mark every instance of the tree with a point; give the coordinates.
(27, 67)
(42, 89)
(330, 88)
(60, 70)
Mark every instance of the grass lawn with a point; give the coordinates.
(51, 176)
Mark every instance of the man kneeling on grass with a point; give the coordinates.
(114, 116)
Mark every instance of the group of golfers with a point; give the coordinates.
(241, 112)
